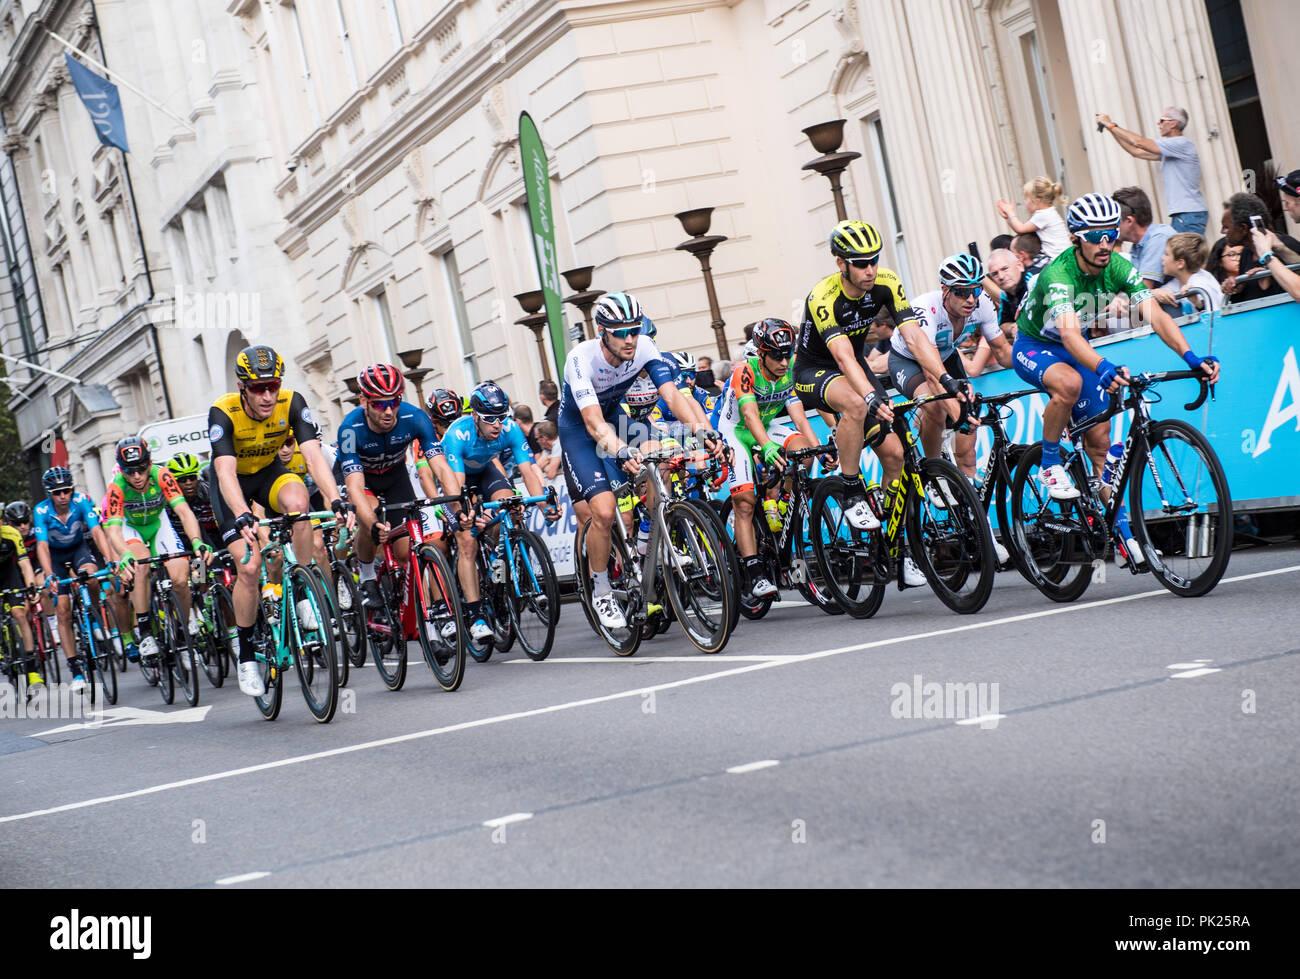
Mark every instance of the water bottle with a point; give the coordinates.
(271, 597)
(1112, 460)
(643, 537)
(775, 520)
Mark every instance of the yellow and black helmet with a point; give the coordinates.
(855, 239)
(258, 363)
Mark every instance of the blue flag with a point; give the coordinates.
(99, 96)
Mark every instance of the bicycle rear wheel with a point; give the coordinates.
(184, 663)
(732, 577)
(208, 646)
(272, 676)
(439, 609)
(1048, 534)
(1180, 508)
(753, 608)
(626, 585)
(533, 596)
(166, 678)
(352, 618)
(387, 637)
(314, 651)
(695, 573)
(847, 558)
(952, 545)
(224, 632)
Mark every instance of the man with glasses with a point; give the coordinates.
(830, 367)
(597, 375)
(247, 427)
(373, 443)
(1052, 351)
(187, 470)
(62, 523)
(133, 522)
(1180, 166)
(480, 447)
(761, 388)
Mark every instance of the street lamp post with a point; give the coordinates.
(701, 244)
(584, 297)
(535, 320)
(826, 138)
(414, 372)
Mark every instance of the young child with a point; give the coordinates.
(1041, 197)
(1184, 263)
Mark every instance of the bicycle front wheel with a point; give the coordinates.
(336, 621)
(353, 617)
(441, 621)
(184, 662)
(315, 653)
(754, 608)
(626, 589)
(952, 544)
(1180, 508)
(696, 575)
(533, 596)
(732, 577)
(387, 637)
(846, 558)
(1049, 535)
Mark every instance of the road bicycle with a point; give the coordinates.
(947, 533)
(521, 574)
(1179, 505)
(685, 562)
(96, 647)
(281, 637)
(210, 598)
(420, 600)
(176, 661)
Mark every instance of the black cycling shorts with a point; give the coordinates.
(262, 487)
(812, 379)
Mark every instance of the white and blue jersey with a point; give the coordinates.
(64, 536)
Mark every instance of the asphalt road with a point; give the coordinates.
(1132, 739)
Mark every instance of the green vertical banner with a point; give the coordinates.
(537, 185)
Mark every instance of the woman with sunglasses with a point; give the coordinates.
(830, 360)
(64, 524)
(1052, 351)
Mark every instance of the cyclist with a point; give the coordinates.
(830, 368)
(444, 407)
(1052, 352)
(924, 359)
(187, 470)
(134, 524)
(479, 446)
(247, 428)
(760, 389)
(16, 573)
(684, 366)
(597, 375)
(373, 443)
(64, 523)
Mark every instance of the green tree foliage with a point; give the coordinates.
(13, 468)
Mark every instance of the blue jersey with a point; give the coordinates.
(589, 379)
(362, 450)
(665, 414)
(469, 452)
(67, 534)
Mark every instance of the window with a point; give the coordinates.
(120, 266)
(394, 23)
(465, 340)
(303, 66)
(385, 322)
(1042, 103)
(346, 41)
(885, 181)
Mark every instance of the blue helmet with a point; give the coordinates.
(648, 328)
(489, 401)
(57, 477)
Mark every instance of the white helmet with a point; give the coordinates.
(1092, 211)
(642, 396)
(685, 360)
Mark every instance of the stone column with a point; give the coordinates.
(968, 161)
(1274, 33)
(1094, 38)
(1173, 62)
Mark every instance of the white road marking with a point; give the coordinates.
(607, 698)
(514, 817)
(116, 717)
(240, 878)
(1189, 674)
(753, 766)
(984, 720)
(698, 658)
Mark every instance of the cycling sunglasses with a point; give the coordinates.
(966, 292)
(780, 353)
(61, 492)
(262, 387)
(385, 405)
(135, 470)
(490, 419)
(1096, 236)
(864, 263)
(623, 332)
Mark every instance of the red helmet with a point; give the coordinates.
(381, 381)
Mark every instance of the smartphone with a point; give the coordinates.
(973, 248)
(1257, 222)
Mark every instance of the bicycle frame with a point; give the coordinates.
(506, 519)
(799, 500)
(414, 527)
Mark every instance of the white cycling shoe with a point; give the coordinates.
(913, 576)
(307, 616)
(762, 588)
(250, 679)
(861, 517)
(148, 648)
(1057, 482)
(607, 611)
(480, 631)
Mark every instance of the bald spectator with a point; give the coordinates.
(549, 395)
(1013, 278)
(1148, 237)
(548, 437)
(1180, 166)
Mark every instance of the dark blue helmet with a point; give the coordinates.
(57, 477)
(489, 401)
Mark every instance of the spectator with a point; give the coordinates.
(1185, 256)
(1029, 249)
(1041, 197)
(1235, 225)
(549, 395)
(1013, 278)
(999, 241)
(723, 370)
(1289, 196)
(1180, 166)
(1224, 261)
(882, 329)
(548, 437)
(1147, 236)
(524, 416)
(1273, 258)
(705, 379)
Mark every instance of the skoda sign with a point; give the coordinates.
(166, 438)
